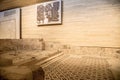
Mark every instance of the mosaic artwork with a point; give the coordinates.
(49, 12)
(78, 68)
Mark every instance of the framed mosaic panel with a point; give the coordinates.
(49, 13)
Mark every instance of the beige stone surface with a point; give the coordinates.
(5, 62)
(16, 73)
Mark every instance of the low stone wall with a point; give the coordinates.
(93, 51)
(21, 44)
(50, 45)
(40, 44)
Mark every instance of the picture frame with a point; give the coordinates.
(49, 13)
(10, 24)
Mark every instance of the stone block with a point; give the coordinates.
(38, 74)
(5, 62)
(16, 73)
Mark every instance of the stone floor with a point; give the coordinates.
(74, 67)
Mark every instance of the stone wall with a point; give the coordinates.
(93, 51)
(40, 44)
(21, 44)
(7, 45)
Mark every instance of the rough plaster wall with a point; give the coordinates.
(85, 23)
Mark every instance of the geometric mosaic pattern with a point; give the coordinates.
(79, 68)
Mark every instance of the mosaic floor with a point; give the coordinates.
(78, 68)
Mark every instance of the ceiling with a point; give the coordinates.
(9, 4)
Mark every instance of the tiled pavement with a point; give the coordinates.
(78, 68)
